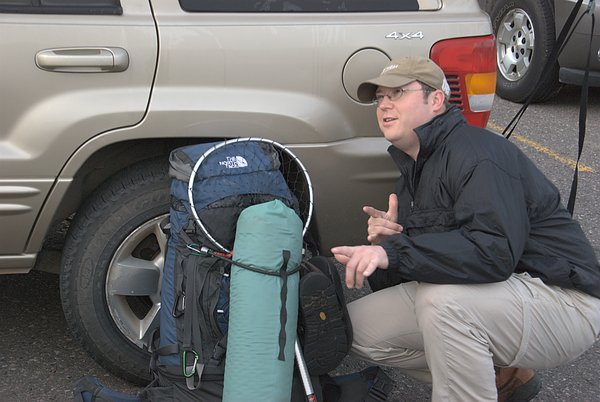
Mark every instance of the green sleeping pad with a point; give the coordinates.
(260, 355)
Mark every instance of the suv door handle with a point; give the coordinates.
(83, 59)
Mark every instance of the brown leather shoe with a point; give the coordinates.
(517, 384)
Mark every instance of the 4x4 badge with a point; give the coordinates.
(405, 35)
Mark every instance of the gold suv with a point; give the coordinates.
(95, 94)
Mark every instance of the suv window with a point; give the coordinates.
(112, 7)
(306, 6)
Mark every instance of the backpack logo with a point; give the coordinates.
(234, 162)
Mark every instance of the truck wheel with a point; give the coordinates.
(112, 269)
(525, 37)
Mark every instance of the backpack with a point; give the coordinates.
(189, 350)
(188, 354)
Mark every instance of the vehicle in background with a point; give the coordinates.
(97, 94)
(526, 33)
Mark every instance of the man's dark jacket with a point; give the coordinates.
(475, 209)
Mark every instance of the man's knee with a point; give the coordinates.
(434, 298)
(441, 304)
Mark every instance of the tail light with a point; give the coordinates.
(470, 68)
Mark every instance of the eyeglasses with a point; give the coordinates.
(393, 95)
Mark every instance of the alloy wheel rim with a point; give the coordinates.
(133, 282)
(515, 42)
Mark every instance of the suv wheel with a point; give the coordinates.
(525, 37)
(112, 269)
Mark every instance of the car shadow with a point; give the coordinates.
(571, 94)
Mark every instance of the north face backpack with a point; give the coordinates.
(189, 351)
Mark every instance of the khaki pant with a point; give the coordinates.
(454, 335)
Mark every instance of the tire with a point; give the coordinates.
(112, 269)
(525, 37)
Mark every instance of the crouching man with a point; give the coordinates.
(480, 274)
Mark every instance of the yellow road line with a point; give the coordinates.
(545, 150)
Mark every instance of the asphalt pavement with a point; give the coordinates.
(39, 361)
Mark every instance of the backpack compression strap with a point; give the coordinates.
(190, 363)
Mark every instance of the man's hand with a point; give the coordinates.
(360, 262)
(382, 224)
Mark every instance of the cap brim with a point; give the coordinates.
(366, 90)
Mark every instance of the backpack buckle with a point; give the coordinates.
(179, 305)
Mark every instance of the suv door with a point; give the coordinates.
(99, 56)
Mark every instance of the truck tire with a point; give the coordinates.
(112, 269)
(525, 37)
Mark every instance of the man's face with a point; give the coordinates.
(400, 111)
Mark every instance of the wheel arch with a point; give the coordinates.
(68, 194)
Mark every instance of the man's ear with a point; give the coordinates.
(437, 100)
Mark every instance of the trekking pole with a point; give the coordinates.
(308, 389)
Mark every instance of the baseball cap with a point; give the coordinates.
(402, 71)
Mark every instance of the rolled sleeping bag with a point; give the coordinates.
(256, 341)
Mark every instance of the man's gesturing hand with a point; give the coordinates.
(382, 223)
(360, 262)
